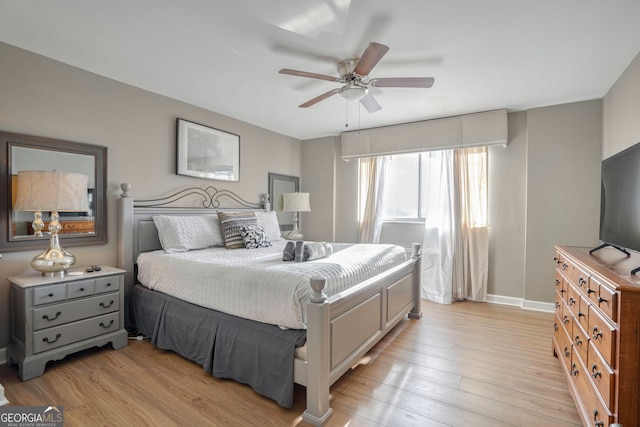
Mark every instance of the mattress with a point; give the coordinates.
(255, 283)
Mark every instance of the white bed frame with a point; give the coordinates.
(340, 328)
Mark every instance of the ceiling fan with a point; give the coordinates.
(353, 75)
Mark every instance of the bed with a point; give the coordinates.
(332, 324)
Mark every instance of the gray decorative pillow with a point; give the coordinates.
(254, 237)
(231, 223)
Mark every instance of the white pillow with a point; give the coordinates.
(183, 233)
(269, 221)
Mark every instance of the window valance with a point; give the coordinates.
(469, 130)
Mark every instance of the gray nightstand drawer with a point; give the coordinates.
(50, 293)
(107, 284)
(80, 289)
(47, 317)
(58, 336)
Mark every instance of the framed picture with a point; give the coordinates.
(278, 185)
(206, 152)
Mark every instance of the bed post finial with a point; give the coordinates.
(125, 187)
(266, 204)
(318, 284)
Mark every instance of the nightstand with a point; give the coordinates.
(52, 317)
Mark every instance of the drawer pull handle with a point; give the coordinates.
(601, 300)
(557, 260)
(555, 327)
(595, 333)
(595, 419)
(577, 340)
(580, 314)
(557, 305)
(108, 284)
(565, 266)
(562, 291)
(567, 353)
(557, 282)
(50, 295)
(590, 291)
(46, 339)
(572, 301)
(81, 289)
(107, 326)
(566, 319)
(594, 371)
(574, 370)
(581, 281)
(46, 316)
(106, 306)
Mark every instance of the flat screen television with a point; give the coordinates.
(620, 200)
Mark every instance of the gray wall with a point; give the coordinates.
(43, 97)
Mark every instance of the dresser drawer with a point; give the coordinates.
(58, 336)
(603, 336)
(81, 288)
(579, 340)
(46, 317)
(49, 294)
(107, 284)
(583, 313)
(573, 300)
(599, 415)
(563, 344)
(605, 298)
(602, 375)
(579, 277)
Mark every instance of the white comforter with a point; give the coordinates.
(255, 283)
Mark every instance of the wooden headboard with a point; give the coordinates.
(137, 232)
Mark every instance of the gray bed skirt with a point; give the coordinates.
(226, 346)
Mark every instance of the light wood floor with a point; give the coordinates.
(466, 364)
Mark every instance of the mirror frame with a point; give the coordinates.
(10, 244)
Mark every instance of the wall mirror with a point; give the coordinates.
(278, 185)
(25, 152)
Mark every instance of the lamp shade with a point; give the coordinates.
(295, 202)
(51, 191)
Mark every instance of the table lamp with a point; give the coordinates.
(295, 202)
(52, 191)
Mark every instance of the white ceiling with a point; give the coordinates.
(225, 55)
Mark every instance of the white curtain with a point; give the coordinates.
(373, 174)
(437, 245)
(455, 245)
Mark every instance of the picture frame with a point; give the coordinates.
(278, 185)
(206, 152)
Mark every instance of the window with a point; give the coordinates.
(408, 182)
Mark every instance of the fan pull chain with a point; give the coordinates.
(346, 113)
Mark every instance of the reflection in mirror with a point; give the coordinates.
(24, 152)
(23, 159)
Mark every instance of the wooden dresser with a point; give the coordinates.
(597, 333)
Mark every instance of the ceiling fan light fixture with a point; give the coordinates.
(353, 92)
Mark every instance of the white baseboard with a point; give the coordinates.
(520, 302)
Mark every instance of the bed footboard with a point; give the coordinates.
(349, 324)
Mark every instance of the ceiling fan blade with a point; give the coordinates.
(319, 98)
(370, 103)
(310, 75)
(371, 56)
(424, 82)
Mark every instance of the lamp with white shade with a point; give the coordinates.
(53, 191)
(295, 202)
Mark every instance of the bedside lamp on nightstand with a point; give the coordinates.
(56, 192)
(295, 202)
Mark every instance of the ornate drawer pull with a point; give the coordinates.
(566, 319)
(577, 340)
(595, 419)
(557, 282)
(565, 266)
(555, 327)
(557, 260)
(595, 333)
(107, 326)
(580, 314)
(572, 301)
(601, 300)
(567, 353)
(574, 370)
(46, 316)
(594, 371)
(46, 339)
(581, 281)
(106, 306)
(557, 305)
(590, 291)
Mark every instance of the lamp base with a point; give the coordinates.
(295, 234)
(53, 261)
